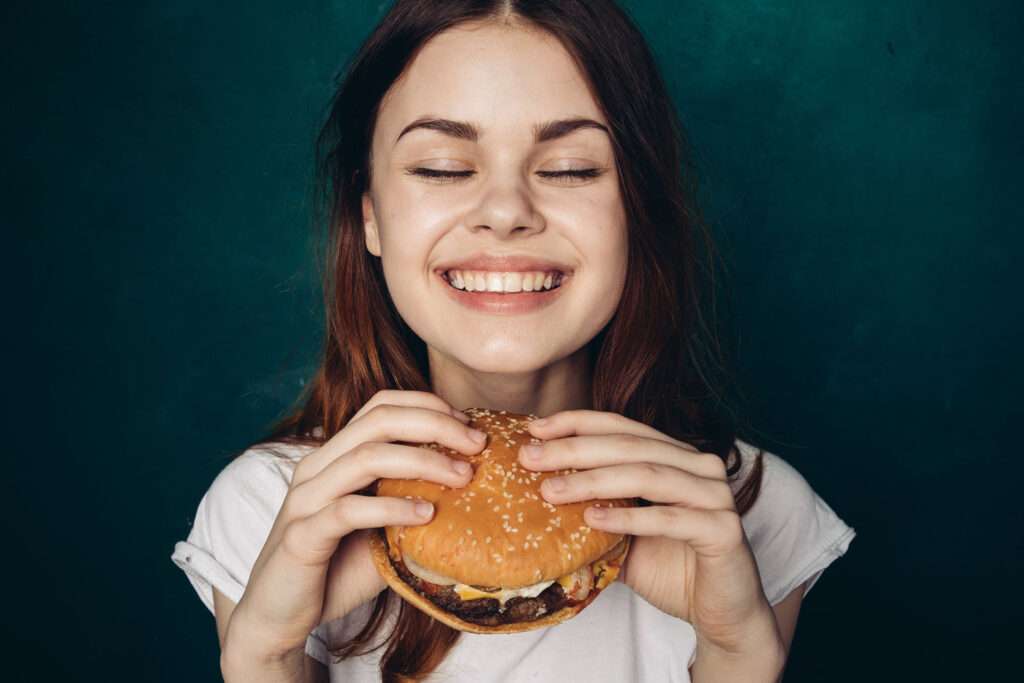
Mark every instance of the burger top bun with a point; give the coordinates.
(498, 530)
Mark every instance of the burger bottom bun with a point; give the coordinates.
(379, 553)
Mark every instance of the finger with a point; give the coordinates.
(709, 532)
(580, 422)
(310, 541)
(588, 451)
(388, 423)
(408, 397)
(656, 483)
(368, 462)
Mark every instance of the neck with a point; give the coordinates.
(563, 385)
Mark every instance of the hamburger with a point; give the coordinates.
(497, 557)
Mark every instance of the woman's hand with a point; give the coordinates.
(690, 557)
(315, 565)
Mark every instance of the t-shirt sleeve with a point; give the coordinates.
(231, 526)
(793, 533)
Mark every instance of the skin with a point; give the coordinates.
(691, 558)
(504, 80)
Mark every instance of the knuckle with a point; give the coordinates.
(723, 493)
(650, 470)
(715, 465)
(665, 514)
(343, 508)
(292, 538)
(382, 411)
(367, 454)
(732, 526)
(633, 441)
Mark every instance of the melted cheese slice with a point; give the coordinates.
(469, 593)
(576, 585)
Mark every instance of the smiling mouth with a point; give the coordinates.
(552, 281)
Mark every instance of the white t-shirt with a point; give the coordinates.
(794, 535)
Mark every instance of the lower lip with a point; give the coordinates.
(499, 303)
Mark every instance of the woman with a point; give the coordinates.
(475, 145)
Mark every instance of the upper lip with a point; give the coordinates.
(505, 263)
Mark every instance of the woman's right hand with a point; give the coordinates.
(315, 565)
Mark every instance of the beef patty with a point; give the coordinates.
(487, 611)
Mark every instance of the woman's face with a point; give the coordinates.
(504, 82)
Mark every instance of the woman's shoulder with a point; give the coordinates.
(246, 495)
(778, 477)
(261, 467)
(793, 532)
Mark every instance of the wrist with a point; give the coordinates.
(239, 663)
(759, 654)
(246, 651)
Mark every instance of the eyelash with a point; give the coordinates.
(451, 176)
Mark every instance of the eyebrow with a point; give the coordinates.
(464, 130)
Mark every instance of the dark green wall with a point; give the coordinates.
(861, 164)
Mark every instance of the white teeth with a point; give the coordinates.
(479, 281)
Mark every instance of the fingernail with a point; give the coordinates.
(477, 435)
(597, 513)
(424, 509)
(531, 451)
(540, 422)
(555, 484)
(461, 416)
(460, 466)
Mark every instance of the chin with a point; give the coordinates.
(497, 557)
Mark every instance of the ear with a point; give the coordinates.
(370, 232)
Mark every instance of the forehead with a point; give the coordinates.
(501, 77)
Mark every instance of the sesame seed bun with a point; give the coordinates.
(497, 531)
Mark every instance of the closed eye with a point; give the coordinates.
(454, 176)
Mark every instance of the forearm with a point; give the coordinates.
(760, 659)
(293, 667)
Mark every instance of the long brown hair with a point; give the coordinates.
(659, 360)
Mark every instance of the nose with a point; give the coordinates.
(506, 206)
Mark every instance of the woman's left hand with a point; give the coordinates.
(689, 556)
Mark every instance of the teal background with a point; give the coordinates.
(861, 163)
